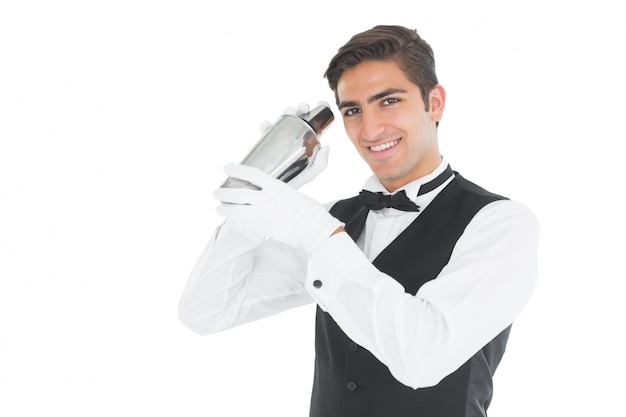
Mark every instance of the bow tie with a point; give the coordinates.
(377, 201)
(399, 200)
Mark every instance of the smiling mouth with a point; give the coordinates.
(384, 146)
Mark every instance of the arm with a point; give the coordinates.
(423, 338)
(238, 280)
(241, 277)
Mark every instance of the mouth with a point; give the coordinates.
(384, 146)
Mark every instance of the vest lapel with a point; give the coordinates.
(355, 225)
(401, 246)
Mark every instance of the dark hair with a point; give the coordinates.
(413, 55)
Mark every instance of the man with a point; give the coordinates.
(415, 298)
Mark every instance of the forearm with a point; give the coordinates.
(237, 280)
(425, 337)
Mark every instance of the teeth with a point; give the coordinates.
(384, 146)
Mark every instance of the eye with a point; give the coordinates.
(351, 111)
(389, 101)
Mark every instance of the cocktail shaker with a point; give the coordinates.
(288, 147)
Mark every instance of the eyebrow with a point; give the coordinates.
(373, 98)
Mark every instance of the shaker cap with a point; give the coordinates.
(319, 118)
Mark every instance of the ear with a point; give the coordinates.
(437, 102)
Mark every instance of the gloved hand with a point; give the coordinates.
(276, 210)
(317, 165)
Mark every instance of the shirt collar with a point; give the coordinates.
(412, 188)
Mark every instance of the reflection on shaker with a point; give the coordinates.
(287, 147)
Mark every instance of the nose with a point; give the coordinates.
(372, 126)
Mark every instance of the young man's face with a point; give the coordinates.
(385, 117)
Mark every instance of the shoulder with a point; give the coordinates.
(498, 206)
(475, 189)
(496, 210)
(507, 214)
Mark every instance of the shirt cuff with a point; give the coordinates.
(329, 265)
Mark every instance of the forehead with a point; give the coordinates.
(371, 77)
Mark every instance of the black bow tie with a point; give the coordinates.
(399, 200)
(377, 201)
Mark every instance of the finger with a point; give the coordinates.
(303, 108)
(323, 103)
(264, 127)
(247, 173)
(321, 159)
(238, 196)
(236, 211)
(290, 111)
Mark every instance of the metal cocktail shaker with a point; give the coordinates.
(287, 147)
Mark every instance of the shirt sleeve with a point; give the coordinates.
(238, 279)
(423, 338)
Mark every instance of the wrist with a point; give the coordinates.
(319, 226)
(338, 230)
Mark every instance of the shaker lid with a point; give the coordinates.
(319, 118)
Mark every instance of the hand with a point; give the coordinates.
(312, 170)
(276, 210)
(317, 165)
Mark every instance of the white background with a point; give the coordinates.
(117, 116)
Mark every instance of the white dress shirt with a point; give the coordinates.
(383, 226)
(421, 339)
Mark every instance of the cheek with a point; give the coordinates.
(353, 131)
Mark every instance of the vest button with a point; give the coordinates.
(353, 346)
(317, 283)
(351, 386)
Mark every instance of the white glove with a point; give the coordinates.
(317, 165)
(277, 210)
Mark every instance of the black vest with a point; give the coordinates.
(349, 381)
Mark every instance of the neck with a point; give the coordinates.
(425, 167)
